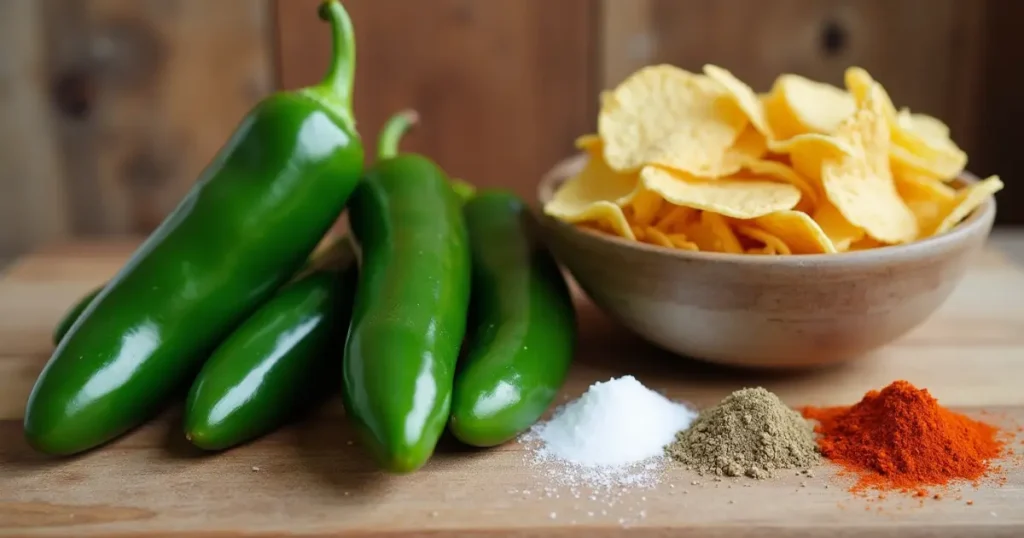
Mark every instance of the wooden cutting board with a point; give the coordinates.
(311, 479)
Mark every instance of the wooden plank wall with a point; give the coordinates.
(111, 107)
(502, 87)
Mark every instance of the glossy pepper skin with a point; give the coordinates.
(275, 365)
(76, 309)
(410, 307)
(249, 222)
(522, 326)
(72, 315)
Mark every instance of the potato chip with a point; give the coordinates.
(915, 143)
(711, 233)
(591, 196)
(783, 172)
(840, 232)
(922, 124)
(797, 105)
(866, 243)
(929, 199)
(701, 162)
(751, 144)
(732, 197)
(772, 244)
(743, 96)
(642, 205)
(676, 216)
(591, 143)
(807, 152)
(680, 241)
(967, 200)
(670, 117)
(655, 236)
(798, 230)
(861, 186)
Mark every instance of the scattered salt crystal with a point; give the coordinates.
(616, 422)
(553, 515)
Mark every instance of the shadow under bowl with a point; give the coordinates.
(764, 311)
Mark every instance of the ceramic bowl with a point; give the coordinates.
(764, 311)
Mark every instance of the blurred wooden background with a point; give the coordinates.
(110, 108)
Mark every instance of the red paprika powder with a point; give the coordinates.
(901, 438)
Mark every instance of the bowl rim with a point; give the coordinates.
(977, 222)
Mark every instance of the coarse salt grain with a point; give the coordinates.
(616, 422)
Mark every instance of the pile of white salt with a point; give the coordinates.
(615, 434)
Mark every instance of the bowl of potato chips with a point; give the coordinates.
(808, 225)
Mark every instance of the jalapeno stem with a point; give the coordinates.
(392, 132)
(463, 189)
(340, 76)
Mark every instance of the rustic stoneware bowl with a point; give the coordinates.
(764, 311)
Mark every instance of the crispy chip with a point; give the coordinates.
(807, 152)
(642, 205)
(840, 232)
(733, 197)
(861, 186)
(675, 217)
(866, 244)
(590, 196)
(914, 144)
(701, 162)
(797, 105)
(929, 199)
(922, 124)
(751, 144)
(591, 143)
(744, 97)
(783, 172)
(711, 233)
(967, 200)
(798, 230)
(668, 116)
(772, 244)
(653, 235)
(680, 241)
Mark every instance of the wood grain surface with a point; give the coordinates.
(312, 479)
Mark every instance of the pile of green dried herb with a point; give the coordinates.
(750, 433)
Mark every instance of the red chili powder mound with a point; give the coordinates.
(901, 438)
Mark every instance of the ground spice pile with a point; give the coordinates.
(901, 438)
(751, 432)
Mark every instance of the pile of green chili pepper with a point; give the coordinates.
(438, 311)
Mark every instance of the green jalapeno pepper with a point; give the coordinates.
(249, 222)
(76, 309)
(522, 326)
(278, 363)
(410, 307)
(72, 315)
